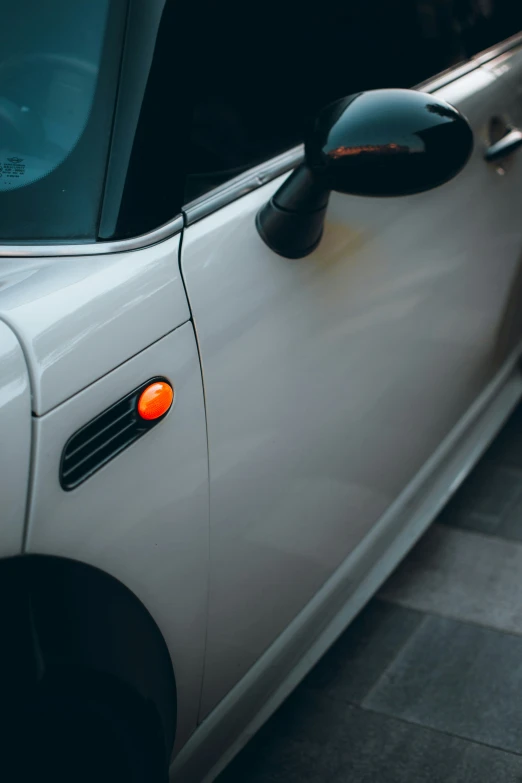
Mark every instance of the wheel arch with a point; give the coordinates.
(75, 635)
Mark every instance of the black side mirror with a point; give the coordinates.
(376, 143)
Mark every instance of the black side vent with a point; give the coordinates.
(104, 437)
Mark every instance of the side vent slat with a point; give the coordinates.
(90, 443)
(107, 446)
(103, 438)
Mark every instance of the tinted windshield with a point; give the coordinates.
(58, 72)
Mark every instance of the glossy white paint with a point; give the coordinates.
(241, 713)
(79, 317)
(331, 380)
(15, 440)
(144, 517)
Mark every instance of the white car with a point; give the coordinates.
(238, 377)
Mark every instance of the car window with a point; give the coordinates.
(58, 73)
(145, 176)
(256, 79)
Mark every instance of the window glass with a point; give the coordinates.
(258, 76)
(58, 71)
(144, 187)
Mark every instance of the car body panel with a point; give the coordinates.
(142, 518)
(79, 317)
(331, 380)
(282, 666)
(15, 452)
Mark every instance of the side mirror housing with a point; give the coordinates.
(379, 143)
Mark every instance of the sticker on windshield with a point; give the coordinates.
(12, 168)
(19, 170)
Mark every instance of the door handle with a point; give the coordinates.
(504, 146)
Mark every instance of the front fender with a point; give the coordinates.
(15, 442)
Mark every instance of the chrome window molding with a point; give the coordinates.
(233, 189)
(452, 74)
(159, 234)
(246, 182)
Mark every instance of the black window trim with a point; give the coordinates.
(235, 188)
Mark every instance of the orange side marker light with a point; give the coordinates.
(155, 400)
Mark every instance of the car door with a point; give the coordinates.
(331, 380)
